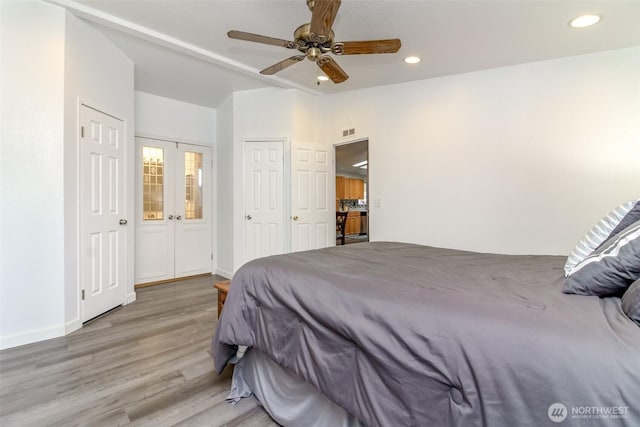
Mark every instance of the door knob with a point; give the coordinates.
(296, 217)
(123, 222)
(248, 217)
(179, 217)
(170, 217)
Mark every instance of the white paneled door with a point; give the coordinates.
(173, 210)
(103, 222)
(313, 209)
(263, 199)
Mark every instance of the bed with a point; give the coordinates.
(397, 334)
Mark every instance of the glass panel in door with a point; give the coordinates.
(153, 183)
(193, 185)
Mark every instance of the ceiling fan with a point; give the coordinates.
(316, 39)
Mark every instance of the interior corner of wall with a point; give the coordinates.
(224, 273)
(72, 326)
(131, 297)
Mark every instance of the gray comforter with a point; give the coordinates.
(408, 335)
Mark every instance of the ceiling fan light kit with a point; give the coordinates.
(316, 40)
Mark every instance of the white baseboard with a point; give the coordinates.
(224, 273)
(31, 336)
(36, 335)
(74, 325)
(130, 298)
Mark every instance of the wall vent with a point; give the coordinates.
(348, 132)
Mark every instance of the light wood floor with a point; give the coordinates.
(147, 363)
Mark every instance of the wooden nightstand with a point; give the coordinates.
(223, 288)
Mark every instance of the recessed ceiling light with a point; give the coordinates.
(323, 78)
(411, 59)
(584, 21)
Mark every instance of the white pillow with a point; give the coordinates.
(597, 235)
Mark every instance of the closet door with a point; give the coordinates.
(173, 216)
(103, 232)
(313, 215)
(263, 187)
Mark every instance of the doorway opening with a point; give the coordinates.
(352, 189)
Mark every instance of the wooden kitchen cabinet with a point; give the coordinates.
(356, 188)
(353, 223)
(349, 188)
(342, 187)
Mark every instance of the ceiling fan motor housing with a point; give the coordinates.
(306, 40)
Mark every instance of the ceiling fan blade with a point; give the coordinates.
(323, 15)
(257, 38)
(366, 47)
(282, 65)
(332, 69)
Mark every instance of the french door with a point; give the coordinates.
(173, 210)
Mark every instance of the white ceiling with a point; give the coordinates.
(181, 50)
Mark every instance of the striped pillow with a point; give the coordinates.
(611, 268)
(609, 226)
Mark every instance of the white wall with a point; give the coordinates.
(99, 75)
(31, 177)
(224, 169)
(67, 62)
(169, 118)
(521, 159)
(305, 117)
(263, 113)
